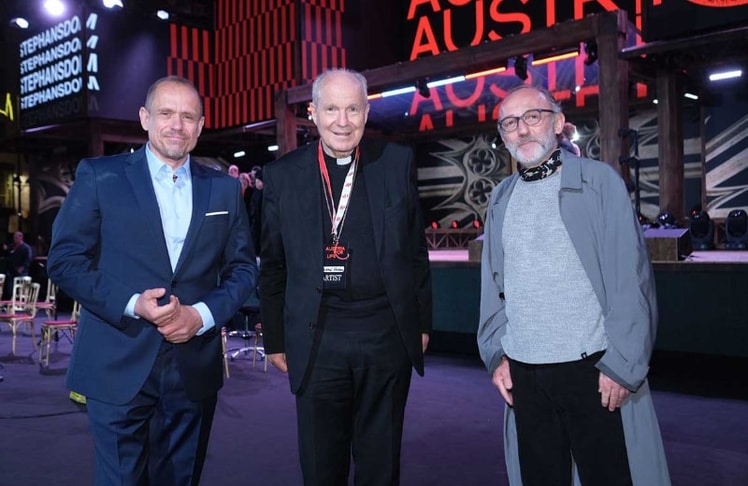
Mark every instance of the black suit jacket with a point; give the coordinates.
(291, 250)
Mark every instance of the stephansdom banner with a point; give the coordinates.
(90, 64)
(52, 73)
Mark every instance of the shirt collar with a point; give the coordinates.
(155, 165)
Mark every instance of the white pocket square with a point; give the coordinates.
(216, 213)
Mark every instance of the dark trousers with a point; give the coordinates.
(560, 418)
(353, 402)
(158, 438)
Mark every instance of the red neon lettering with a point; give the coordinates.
(415, 3)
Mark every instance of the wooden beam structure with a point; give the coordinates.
(607, 29)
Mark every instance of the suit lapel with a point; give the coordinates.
(374, 175)
(310, 200)
(137, 174)
(201, 187)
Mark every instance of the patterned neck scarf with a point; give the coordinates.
(547, 168)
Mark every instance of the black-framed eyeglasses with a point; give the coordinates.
(530, 117)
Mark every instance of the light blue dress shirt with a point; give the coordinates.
(174, 198)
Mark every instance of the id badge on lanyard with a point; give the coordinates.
(336, 257)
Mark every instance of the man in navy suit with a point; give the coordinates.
(157, 250)
(345, 287)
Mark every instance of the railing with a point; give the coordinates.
(443, 238)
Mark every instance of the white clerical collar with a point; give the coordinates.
(344, 160)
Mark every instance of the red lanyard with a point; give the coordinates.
(337, 217)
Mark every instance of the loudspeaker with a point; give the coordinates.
(669, 245)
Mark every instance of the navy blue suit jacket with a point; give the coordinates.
(291, 254)
(108, 244)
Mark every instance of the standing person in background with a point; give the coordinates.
(568, 311)
(566, 139)
(156, 249)
(234, 171)
(18, 262)
(345, 287)
(255, 207)
(246, 183)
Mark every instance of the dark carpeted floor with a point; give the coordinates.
(452, 431)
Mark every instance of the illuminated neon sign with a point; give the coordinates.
(7, 110)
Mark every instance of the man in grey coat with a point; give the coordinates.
(568, 311)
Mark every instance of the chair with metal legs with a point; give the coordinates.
(249, 311)
(259, 349)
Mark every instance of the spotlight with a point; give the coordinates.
(454, 224)
(667, 220)
(520, 67)
(54, 7)
(435, 225)
(590, 49)
(422, 88)
(162, 14)
(701, 228)
(20, 22)
(736, 230)
(112, 3)
(476, 223)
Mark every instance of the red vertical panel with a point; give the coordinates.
(315, 62)
(319, 25)
(329, 27)
(184, 37)
(244, 38)
(173, 39)
(307, 34)
(276, 28)
(255, 70)
(289, 61)
(338, 30)
(195, 51)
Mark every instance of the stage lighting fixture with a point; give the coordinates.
(736, 230)
(162, 14)
(54, 7)
(454, 224)
(20, 22)
(422, 88)
(553, 55)
(701, 228)
(667, 220)
(112, 3)
(520, 67)
(476, 223)
(590, 49)
(435, 225)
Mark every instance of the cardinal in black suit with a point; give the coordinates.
(345, 287)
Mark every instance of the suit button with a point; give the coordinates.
(312, 325)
